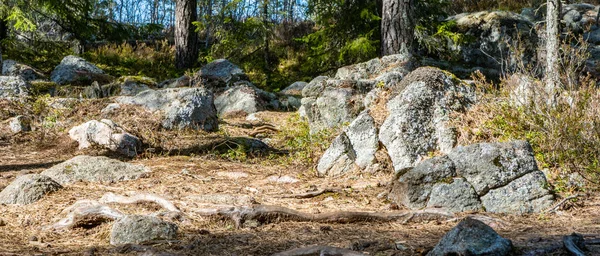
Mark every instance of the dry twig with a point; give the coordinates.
(319, 250)
(311, 194)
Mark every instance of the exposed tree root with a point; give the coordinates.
(559, 204)
(575, 244)
(311, 194)
(265, 214)
(262, 129)
(87, 213)
(319, 251)
(139, 198)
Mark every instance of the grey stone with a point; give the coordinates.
(294, 89)
(492, 165)
(528, 194)
(13, 87)
(458, 196)
(110, 108)
(413, 188)
(13, 68)
(73, 69)
(28, 189)
(418, 120)
(20, 124)
(472, 237)
(338, 158)
(95, 169)
(391, 64)
(107, 134)
(137, 229)
(181, 107)
(242, 98)
(220, 73)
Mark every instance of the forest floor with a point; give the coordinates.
(182, 178)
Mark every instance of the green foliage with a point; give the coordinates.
(22, 23)
(305, 147)
(140, 60)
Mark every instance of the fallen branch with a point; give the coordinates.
(319, 250)
(87, 213)
(262, 129)
(575, 244)
(265, 214)
(559, 204)
(139, 198)
(311, 194)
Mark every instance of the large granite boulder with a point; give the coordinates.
(105, 133)
(472, 237)
(181, 108)
(497, 177)
(13, 68)
(218, 74)
(13, 87)
(95, 169)
(77, 71)
(418, 120)
(28, 189)
(138, 229)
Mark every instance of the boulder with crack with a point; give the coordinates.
(107, 134)
(181, 108)
(495, 177)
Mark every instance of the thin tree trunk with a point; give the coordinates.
(552, 48)
(208, 24)
(186, 40)
(397, 27)
(3, 34)
(266, 38)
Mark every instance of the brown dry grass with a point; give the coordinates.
(206, 175)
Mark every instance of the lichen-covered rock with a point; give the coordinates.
(181, 108)
(497, 177)
(244, 98)
(13, 87)
(128, 86)
(418, 117)
(107, 134)
(382, 69)
(138, 229)
(28, 189)
(294, 89)
(19, 124)
(220, 73)
(76, 70)
(472, 237)
(95, 169)
(13, 68)
(354, 148)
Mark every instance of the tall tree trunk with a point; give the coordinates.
(208, 23)
(552, 48)
(266, 41)
(397, 27)
(186, 40)
(3, 34)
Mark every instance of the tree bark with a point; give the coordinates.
(397, 27)
(186, 40)
(552, 48)
(266, 41)
(3, 34)
(208, 23)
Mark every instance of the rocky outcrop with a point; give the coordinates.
(28, 189)
(124, 86)
(105, 133)
(77, 71)
(245, 98)
(294, 89)
(181, 108)
(138, 229)
(220, 73)
(417, 123)
(95, 169)
(497, 177)
(13, 68)
(472, 237)
(13, 87)
(331, 102)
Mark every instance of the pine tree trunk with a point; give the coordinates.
(552, 48)
(186, 40)
(208, 23)
(397, 27)
(3, 34)
(266, 41)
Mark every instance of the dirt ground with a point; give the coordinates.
(180, 178)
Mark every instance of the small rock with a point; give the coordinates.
(110, 108)
(472, 237)
(136, 229)
(282, 179)
(28, 189)
(20, 124)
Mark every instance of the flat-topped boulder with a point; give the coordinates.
(107, 134)
(138, 229)
(76, 70)
(95, 169)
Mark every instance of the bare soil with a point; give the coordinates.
(179, 177)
